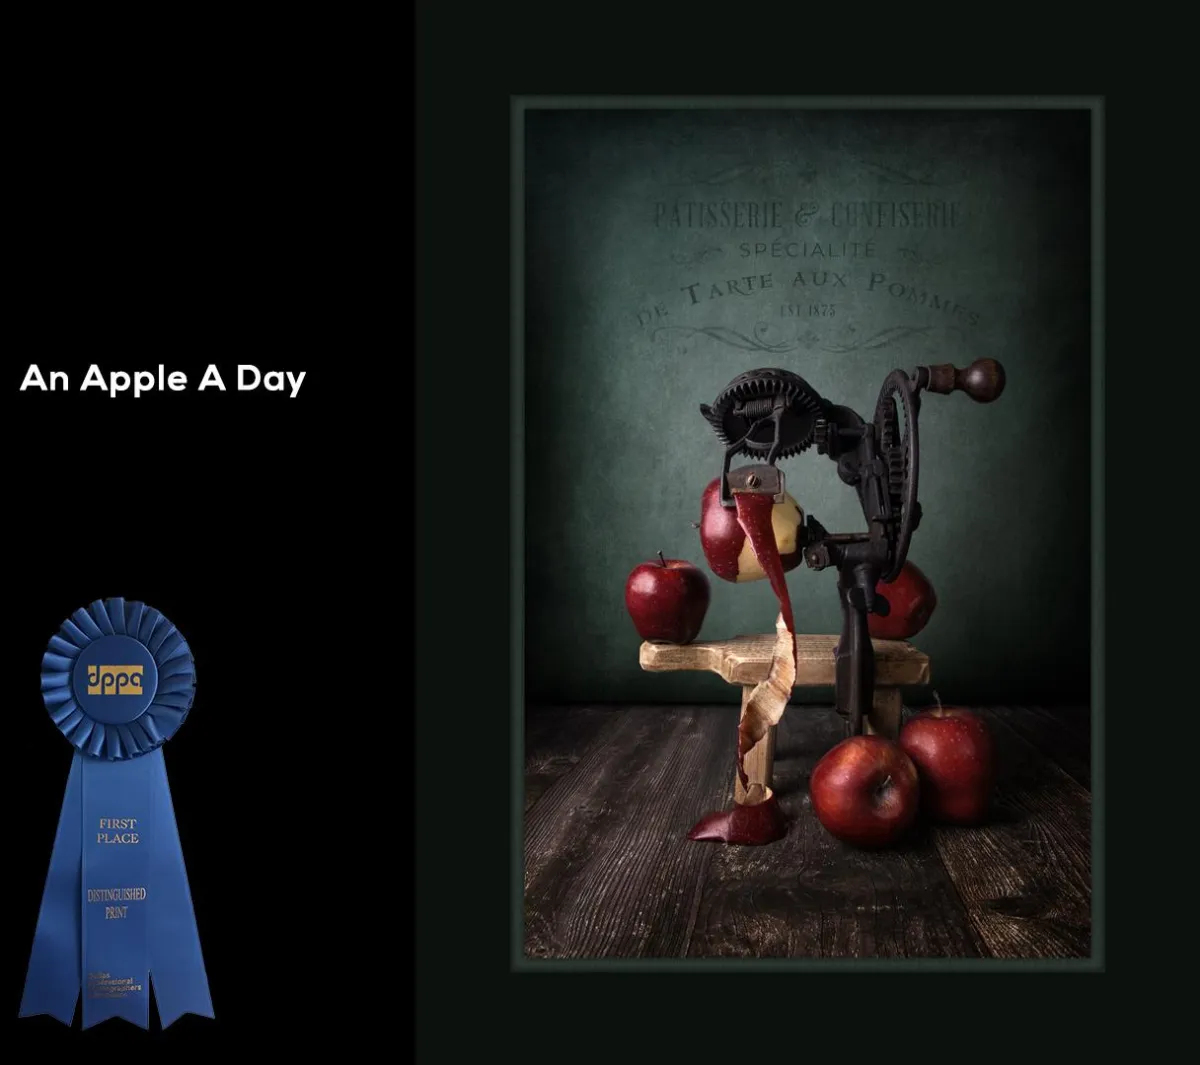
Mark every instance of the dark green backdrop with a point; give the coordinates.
(939, 237)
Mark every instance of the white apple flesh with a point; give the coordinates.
(728, 549)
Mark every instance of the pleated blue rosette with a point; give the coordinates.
(175, 675)
(118, 680)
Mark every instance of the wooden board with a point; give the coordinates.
(1025, 876)
(810, 895)
(747, 659)
(1062, 734)
(556, 737)
(609, 872)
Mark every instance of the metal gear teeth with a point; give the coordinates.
(748, 387)
(897, 465)
(890, 428)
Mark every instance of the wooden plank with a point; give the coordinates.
(747, 659)
(609, 871)
(1025, 876)
(810, 895)
(1077, 716)
(556, 737)
(1062, 734)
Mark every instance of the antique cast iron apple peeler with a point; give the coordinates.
(771, 414)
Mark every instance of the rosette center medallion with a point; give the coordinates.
(114, 680)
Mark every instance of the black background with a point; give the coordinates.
(237, 208)
(184, 207)
(246, 519)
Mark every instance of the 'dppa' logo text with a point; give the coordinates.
(114, 680)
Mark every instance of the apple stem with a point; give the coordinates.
(937, 698)
(661, 559)
(886, 781)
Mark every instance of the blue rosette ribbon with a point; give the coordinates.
(118, 680)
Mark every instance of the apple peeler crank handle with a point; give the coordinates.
(983, 380)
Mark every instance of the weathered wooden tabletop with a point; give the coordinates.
(609, 871)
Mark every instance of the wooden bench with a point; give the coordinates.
(745, 660)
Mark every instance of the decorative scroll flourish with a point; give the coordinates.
(760, 340)
(732, 337)
(877, 340)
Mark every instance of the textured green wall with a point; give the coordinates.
(631, 324)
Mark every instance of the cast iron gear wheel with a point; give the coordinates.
(744, 412)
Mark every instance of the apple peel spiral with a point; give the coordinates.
(769, 698)
(758, 818)
(767, 702)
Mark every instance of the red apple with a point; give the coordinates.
(729, 552)
(911, 600)
(952, 750)
(667, 599)
(865, 791)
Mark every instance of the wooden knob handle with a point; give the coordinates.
(983, 380)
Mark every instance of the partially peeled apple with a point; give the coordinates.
(726, 546)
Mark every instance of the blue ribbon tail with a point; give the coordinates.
(53, 979)
(116, 911)
(176, 962)
(119, 896)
